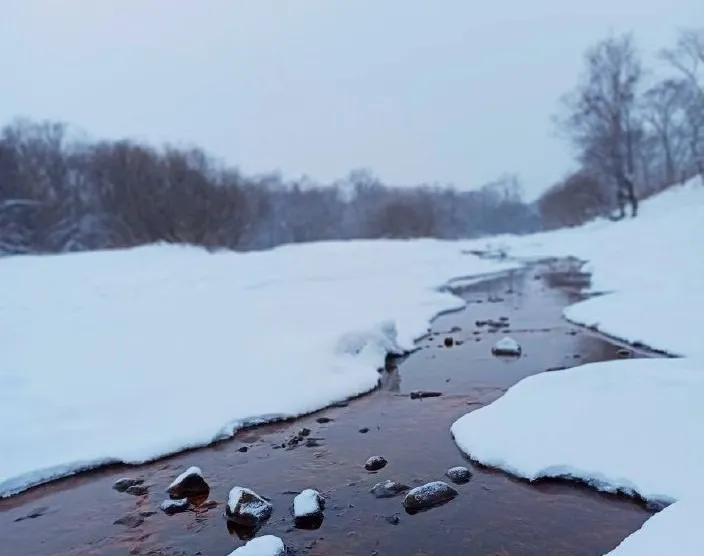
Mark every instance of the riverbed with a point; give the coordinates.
(492, 515)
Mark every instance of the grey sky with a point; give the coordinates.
(417, 90)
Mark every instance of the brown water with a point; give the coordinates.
(494, 515)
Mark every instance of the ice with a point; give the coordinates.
(187, 473)
(630, 425)
(307, 503)
(130, 355)
(267, 545)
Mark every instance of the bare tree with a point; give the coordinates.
(687, 57)
(662, 111)
(601, 118)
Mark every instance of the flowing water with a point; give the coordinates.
(494, 514)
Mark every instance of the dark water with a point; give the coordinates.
(494, 515)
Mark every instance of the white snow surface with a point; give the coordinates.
(130, 355)
(267, 545)
(306, 503)
(193, 470)
(632, 425)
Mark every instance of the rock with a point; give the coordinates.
(506, 346)
(308, 509)
(189, 484)
(624, 352)
(428, 496)
(323, 420)
(147, 513)
(171, 507)
(392, 519)
(130, 521)
(420, 394)
(375, 463)
(304, 432)
(448, 341)
(388, 489)
(246, 507)
(267, 545)
(137, 490)
(364, 430)
(455, 329)
(242, 449)
(459, 475)
(121, 485)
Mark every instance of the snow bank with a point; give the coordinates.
(629, 425)
(652, 266)
(131, 355)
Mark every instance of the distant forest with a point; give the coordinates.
(632, 138)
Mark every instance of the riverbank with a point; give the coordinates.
(493, 514)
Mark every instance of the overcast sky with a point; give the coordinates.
(454, 91)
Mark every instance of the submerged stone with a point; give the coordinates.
(375, 463)
(459, 475)
(428, 496)
(388, 489)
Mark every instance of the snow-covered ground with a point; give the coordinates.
(131, 355)
(633, 425)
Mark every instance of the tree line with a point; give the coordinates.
(633, 135)
(60, 193)
(634, 131)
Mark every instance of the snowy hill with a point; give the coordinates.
(131, 355)
(636, 425)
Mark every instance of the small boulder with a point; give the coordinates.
(189, 484)
(506, 346)
(308, 509)
(388, 489)
(266, 545)
(364, 430)
(459, 475)
(375, 463)
(246, 507)
(428, 496)
(448, 341)
(121, 485)
(172, 507)
(308, 503)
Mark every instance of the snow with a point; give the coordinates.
(130, 355)
(628, 425)
(267, 545)
(610, 424)
(307, 503)
(187, 473)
